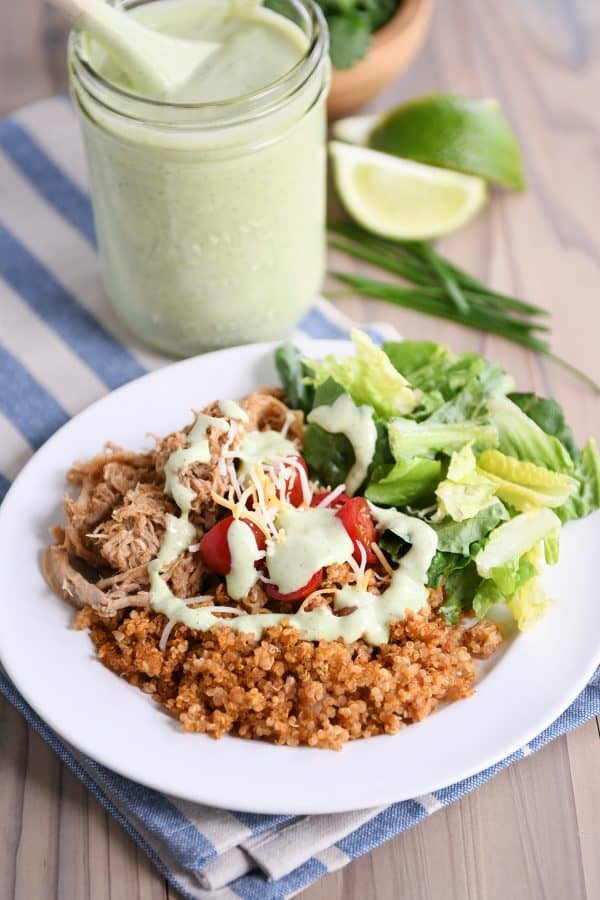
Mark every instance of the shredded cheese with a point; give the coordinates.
(297, 466)
(363, 556)
(289, 421)
(381, 557)
(226, 448)
(256, 520)
(354, 566)
(321, 592)
(333, 495)
(162, 644)
(222, 501)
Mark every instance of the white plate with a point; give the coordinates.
(523, 691)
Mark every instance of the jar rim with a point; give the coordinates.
(233, 110)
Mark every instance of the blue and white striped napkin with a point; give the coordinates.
(60, 349)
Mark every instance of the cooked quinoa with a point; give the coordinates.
(281, 687)
(288, 690)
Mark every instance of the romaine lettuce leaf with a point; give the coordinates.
(409, 438)
(329, 456)
(522, 484)
(513, 539)
(368, 376)
(292, 371)
(488, 594)
(471, 484)
(471, 398)
(417, 359)
(587, 496)
(454, 388)
(548, 414)
(513, 574)
(521, 437)
(393, 546)
(458, 537)
(516, 585)
(465, 491)
(409, 481)
(460, 587)
(462, 501)
(382, 460)
(529, 604)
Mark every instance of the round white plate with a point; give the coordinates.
(524, 689)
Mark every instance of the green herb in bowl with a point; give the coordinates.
(351, 25)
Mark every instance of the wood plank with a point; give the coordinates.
(37, 851)
(512, 827)
(32, 53)
(584, 757)
(13, 763)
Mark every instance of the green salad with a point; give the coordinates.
(494, 471)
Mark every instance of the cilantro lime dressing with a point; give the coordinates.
(241, 47)
(244, 554)
(421, 536)
(180, 532)
(233, 410)
(262, 446)
(163, 600)
(343, 416)
(179, 535)
(210, 203)
(309, 539)
(372, 613)
(312, 538)
(196, 451)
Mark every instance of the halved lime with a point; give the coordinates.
(402, 199)
(444, 130)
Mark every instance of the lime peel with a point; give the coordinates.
(459, 133)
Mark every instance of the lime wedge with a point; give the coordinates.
(402, 199)
(444, 130)
(355, 129)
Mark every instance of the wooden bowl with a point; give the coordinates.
(393, 48)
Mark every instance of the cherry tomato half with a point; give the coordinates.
(214, 548)
(337, 502)
(355, 516)
(294, 493)
(311, 585)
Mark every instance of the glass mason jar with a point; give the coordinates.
(210, 216)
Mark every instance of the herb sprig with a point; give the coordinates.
(441, 289)
(351, 24)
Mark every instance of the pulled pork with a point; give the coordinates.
(115, 524)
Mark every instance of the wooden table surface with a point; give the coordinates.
(532, 832)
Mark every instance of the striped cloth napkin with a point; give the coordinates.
(60, 349)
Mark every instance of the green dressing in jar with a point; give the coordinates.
(210, 204)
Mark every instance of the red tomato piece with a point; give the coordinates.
(355, 516)
(337, 502)
(214, 547)
(311, 585)
(294, 493)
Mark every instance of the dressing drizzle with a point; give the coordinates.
(343, 416)
(308, 539)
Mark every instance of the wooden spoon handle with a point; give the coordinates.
(106, 22)
(163, 61)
